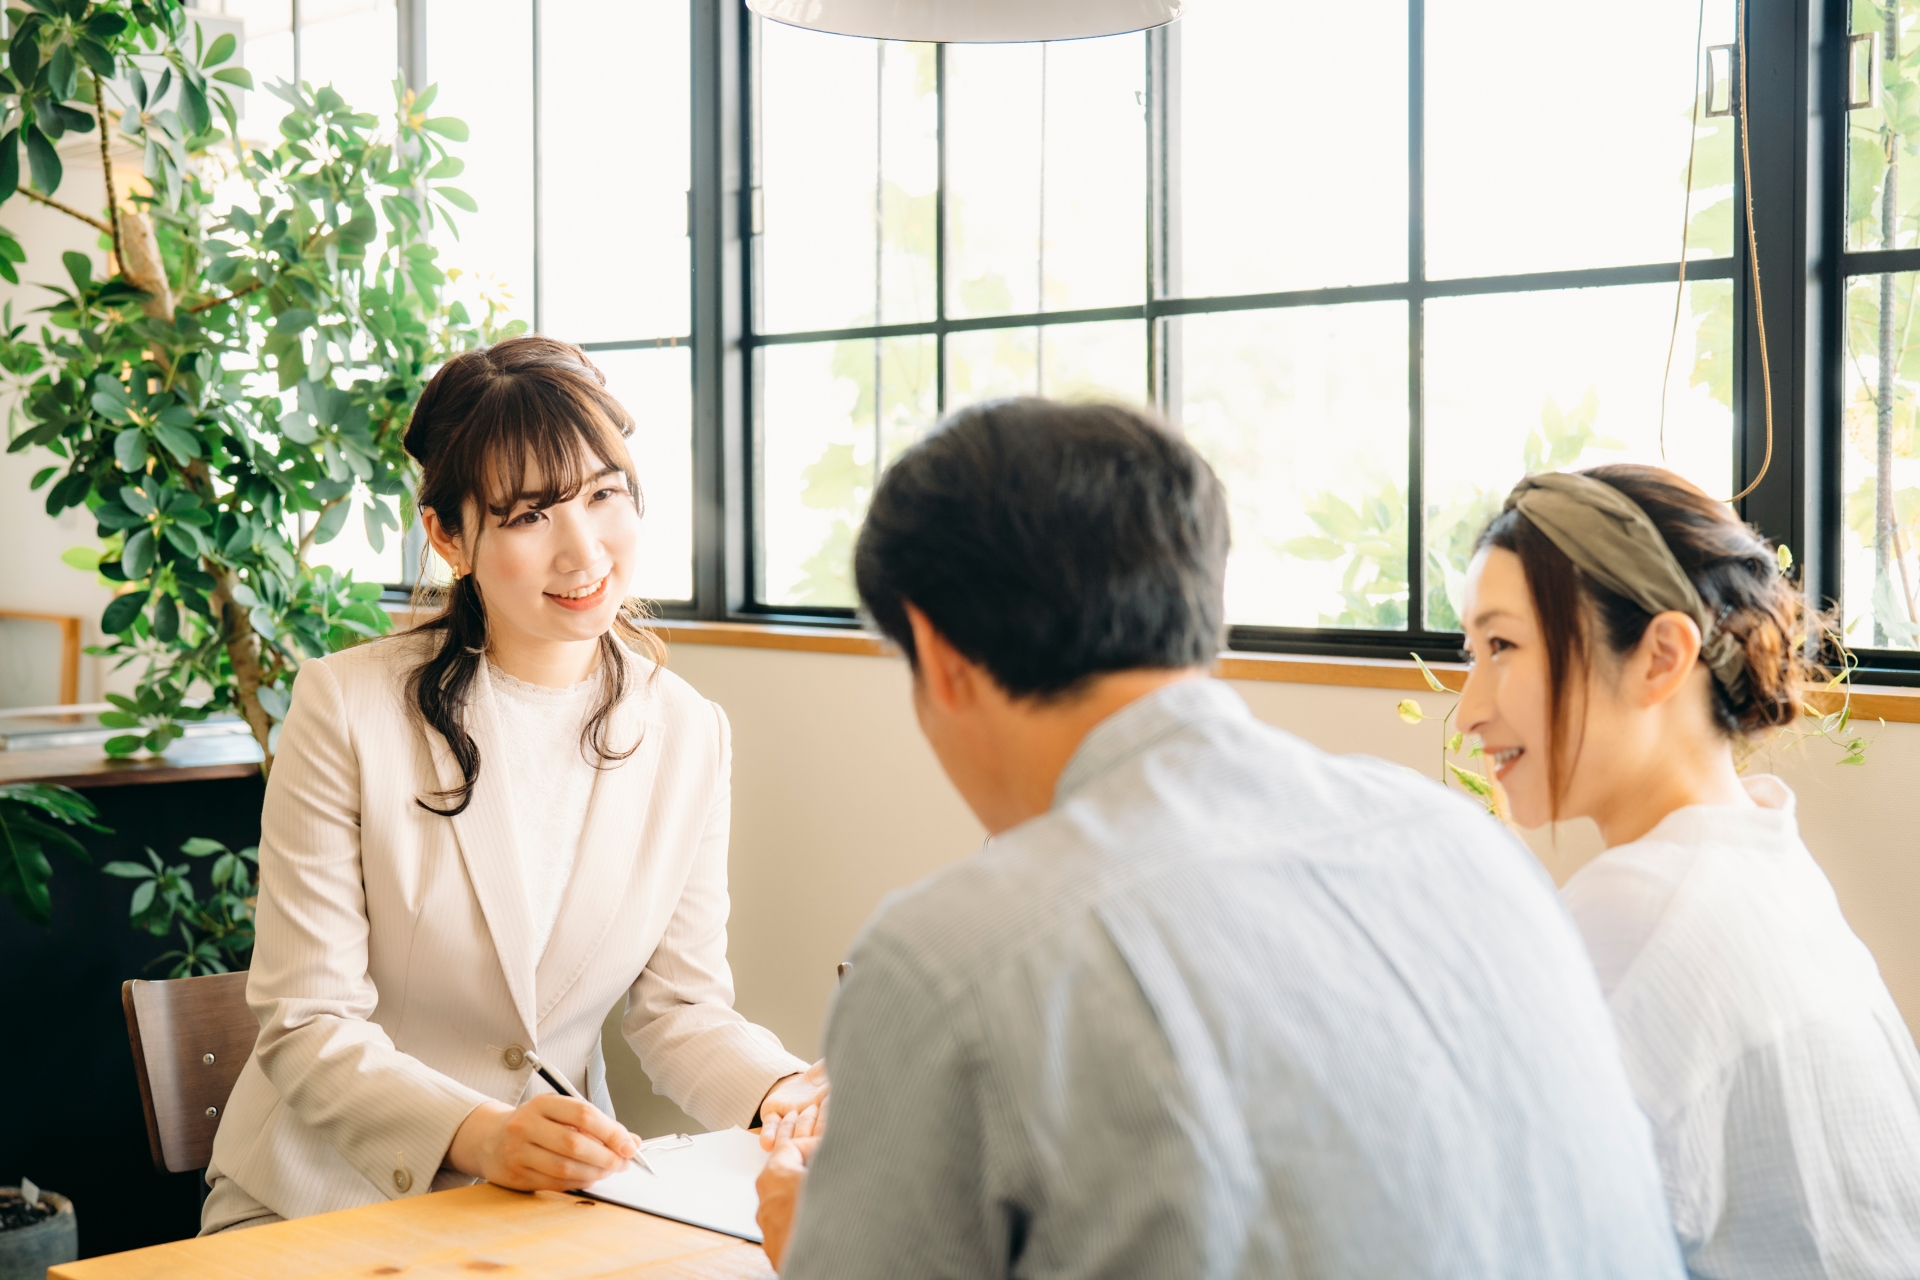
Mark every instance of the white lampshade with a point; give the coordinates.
(972, 21)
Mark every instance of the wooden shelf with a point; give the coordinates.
(232, 755)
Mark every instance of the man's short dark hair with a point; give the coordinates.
(1050, 543)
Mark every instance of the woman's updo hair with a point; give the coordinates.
(486, 419)
(1736, 573)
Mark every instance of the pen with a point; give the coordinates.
(558, 1083)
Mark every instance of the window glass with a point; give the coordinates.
(848, 180)
(1542, 155)
(1883, 134)
(353, 547)
(1292, 134)
(1303, 414)
(1106, 360)
(1880, 465)
(478, 54)
(268, 54)
(655, 384)
(1525, 382)
(354, 46)
(832, 414)
(614, 169)
(1046, 176)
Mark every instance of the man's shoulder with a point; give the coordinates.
(1203, 795)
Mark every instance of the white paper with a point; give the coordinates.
(706, 1183)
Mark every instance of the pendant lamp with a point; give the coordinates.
(972, 21)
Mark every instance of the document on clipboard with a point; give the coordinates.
(704, 1181)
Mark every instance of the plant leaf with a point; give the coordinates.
(1433, 681)
(45, 161)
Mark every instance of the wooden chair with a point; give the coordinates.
(190, 1038)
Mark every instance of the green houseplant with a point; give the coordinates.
(239, 379)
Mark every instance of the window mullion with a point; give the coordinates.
(1779, 79)
(1163, 216)
(1416, 317)
(719, 291)
(940, 230)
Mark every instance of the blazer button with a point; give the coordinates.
(515, 1057)
(402, 1180)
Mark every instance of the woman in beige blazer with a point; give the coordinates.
(479, 834)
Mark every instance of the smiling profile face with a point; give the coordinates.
(1507, 695)
(550, 573)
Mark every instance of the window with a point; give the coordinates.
(1221, 220)
(1376, 262)
(585, 240)
(1880, 438)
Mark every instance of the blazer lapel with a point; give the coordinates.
(486, 836)
(609, 846)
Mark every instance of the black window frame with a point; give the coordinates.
(1796, 52)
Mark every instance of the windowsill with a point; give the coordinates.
(1870, 702)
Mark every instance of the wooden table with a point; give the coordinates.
(480, 1230)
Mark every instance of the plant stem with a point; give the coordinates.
(106, 168)
(243, 652)
(67, 209)
(306, 539)
(236, 633)
(211, 303)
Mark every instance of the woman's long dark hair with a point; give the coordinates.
(483, 419)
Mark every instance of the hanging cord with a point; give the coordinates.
(1686, 226)
(1753, 256)
(1753, 246)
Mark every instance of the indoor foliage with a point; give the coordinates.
(217, 929)
(241, 378)
(25, 836)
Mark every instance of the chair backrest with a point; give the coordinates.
(190, 1038)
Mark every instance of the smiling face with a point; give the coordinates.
(1506, 702)
(550, 573)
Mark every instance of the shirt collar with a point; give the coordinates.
(1772, 814)
(1141, 723)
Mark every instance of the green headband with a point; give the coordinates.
(1616, 543)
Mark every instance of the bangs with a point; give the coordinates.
(540, 442)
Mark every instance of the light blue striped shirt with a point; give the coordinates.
(1232, 1007)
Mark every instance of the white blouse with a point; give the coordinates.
(550, 784)
(1781, 1081)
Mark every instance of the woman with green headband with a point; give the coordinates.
(1628, 632)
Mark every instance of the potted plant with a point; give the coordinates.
(239, 378)
(37, 1230)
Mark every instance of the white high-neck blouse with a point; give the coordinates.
(551, 785)
(1780, 1079)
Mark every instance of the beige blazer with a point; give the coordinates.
(393, 975)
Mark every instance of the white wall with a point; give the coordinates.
(32, 577)
(837, 801)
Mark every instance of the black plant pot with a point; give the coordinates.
(27, 1252)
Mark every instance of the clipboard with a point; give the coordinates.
(704, 1181)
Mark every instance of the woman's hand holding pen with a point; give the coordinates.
(796, 1107)
(549, 1143)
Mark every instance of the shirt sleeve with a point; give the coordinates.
(680, 1019)
(389, 1115)
(897, 1186)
